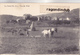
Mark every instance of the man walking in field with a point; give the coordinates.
(52, 31)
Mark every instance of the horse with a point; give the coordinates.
(46, 32)
(49, 32)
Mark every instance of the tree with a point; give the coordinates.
(34, 18)
(27, 16)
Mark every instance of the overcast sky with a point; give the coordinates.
(33, 9)
(40, 1)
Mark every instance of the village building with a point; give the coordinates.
(60, 19)
(38, 18)
(28, 21)
(68, 19)
(54, 18)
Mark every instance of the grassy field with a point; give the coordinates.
(65, 41)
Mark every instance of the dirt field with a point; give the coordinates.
(65, 41)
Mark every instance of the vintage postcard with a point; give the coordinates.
(39, 28)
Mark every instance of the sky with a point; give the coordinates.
(40, 1)
(32, 8)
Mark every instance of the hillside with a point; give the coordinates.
(73, 14)
(4, 18)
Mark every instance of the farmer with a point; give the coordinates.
(52, 31)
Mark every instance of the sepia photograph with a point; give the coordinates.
(39, 28)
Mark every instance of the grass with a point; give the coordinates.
(65, 42)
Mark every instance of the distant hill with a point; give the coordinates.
(73, 14)
(4, 18)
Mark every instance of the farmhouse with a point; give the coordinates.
(62, 19)
(38, 18)
(28, 21)
(68, 19)
(54, 18)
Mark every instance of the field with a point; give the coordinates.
(65, 41)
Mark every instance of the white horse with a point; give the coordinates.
(46, 32)
(49, 32)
